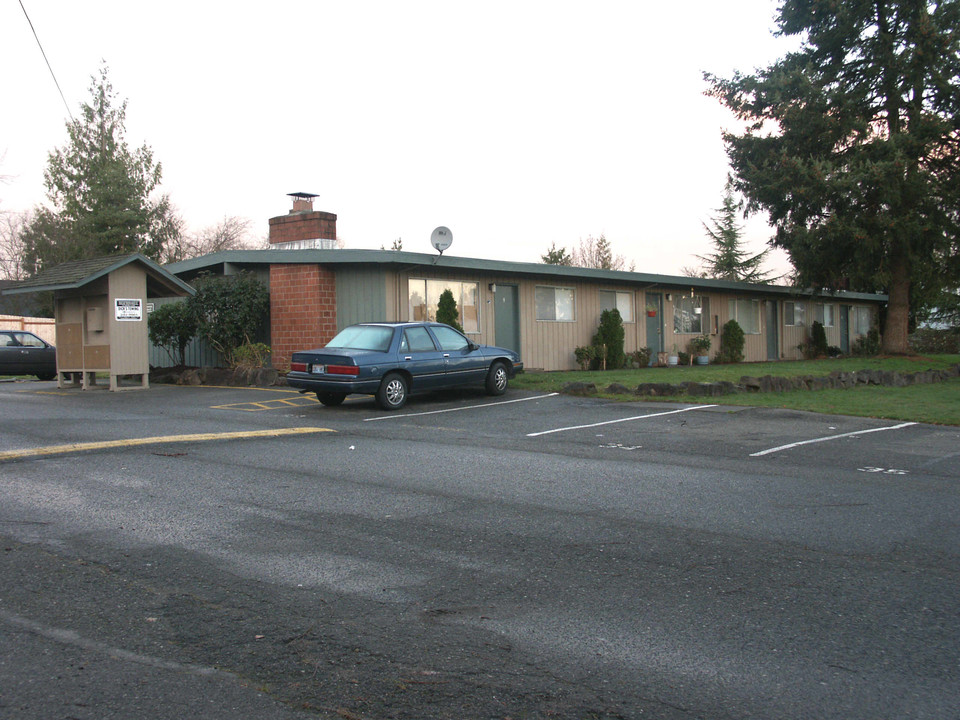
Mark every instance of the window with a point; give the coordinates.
(363, 337)
(793, 313)
(449, 338)
(417, 340)
(747, 315)
(688, 315)
(28, 340)
(424, 297)
(554, 303)
(862, 320)
(823, 313)
(620, 301)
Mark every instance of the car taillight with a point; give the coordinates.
(343, 370)
(298, 367)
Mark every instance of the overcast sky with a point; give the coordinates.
(515, 124)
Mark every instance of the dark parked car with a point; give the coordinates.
(23, 353)
(392, 360)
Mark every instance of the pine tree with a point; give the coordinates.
(851, 147)
(557, 256)
(731, 261)
(99, 191)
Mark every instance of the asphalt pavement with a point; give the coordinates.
(214, 552)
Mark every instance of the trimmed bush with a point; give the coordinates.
(447, 312)
(172, 327)
(731, 343)
(611, 334)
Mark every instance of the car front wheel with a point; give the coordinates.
(497, 379)
(331, 399)
(392, 394)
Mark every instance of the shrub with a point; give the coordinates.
(585, 355)
(700, 344)
(251, 355)
(815, 346)
(868, 344)
(930, 340)
(731, 343)
(683, 358)
(230, 309)
(447, 312)
(641, 358)
(172, 327)
(610, 334)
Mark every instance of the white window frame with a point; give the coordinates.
(429, 290)
(862, 319)
(821, 312)
(679, 304)
(558, 310)
(734, 308)
(623, 303)
(791, 311)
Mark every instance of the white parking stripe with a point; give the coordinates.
(621, 420)
(830, 437)
(459, 409)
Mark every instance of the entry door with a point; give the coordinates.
(654, 315)
(506, 314)
(845, 329)
(773, 330)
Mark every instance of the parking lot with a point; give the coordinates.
(538, 555)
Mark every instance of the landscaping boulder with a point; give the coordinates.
(580, 388)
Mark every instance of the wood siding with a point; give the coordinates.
(361, 296)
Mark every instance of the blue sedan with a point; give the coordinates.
(392, 360)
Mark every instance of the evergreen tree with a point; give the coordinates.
(851, 146)
(731, 261)
(447, 312)
(557, 256)
(100, 191)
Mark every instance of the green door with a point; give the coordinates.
(506, 314)
(773, 331)
(654, 314)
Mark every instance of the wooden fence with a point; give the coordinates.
(41, 327)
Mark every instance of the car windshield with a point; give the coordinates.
(363, 337)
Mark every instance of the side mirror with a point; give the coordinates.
(471, 346)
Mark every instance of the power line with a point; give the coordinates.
(30, 22)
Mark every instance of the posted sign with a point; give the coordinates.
(129, 309)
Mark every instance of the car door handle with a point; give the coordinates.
(446, 354)
(408, 357)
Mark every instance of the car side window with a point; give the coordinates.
(7, 340)
(28, 340)
(449, 338)
(417, 339)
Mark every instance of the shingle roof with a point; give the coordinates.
(76, 274)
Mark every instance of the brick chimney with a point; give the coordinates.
(303, 227)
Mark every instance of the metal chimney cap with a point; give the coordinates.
(302, 195)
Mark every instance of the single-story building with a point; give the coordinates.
(543, 311)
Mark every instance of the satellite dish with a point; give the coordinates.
(441, 238)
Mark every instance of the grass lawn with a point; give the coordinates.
(937, 403)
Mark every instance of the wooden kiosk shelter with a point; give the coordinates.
(101, 315)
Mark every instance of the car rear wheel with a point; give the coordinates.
(331, 399)
(46, 376)
(392, 394)
(497, 379)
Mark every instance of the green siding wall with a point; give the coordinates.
(361, 296)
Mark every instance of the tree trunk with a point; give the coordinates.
(898, 310)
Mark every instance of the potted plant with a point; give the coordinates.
(651, 310)
(701, 346)
(674, 357)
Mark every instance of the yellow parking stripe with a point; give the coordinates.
(258, 405)
(157, 440)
